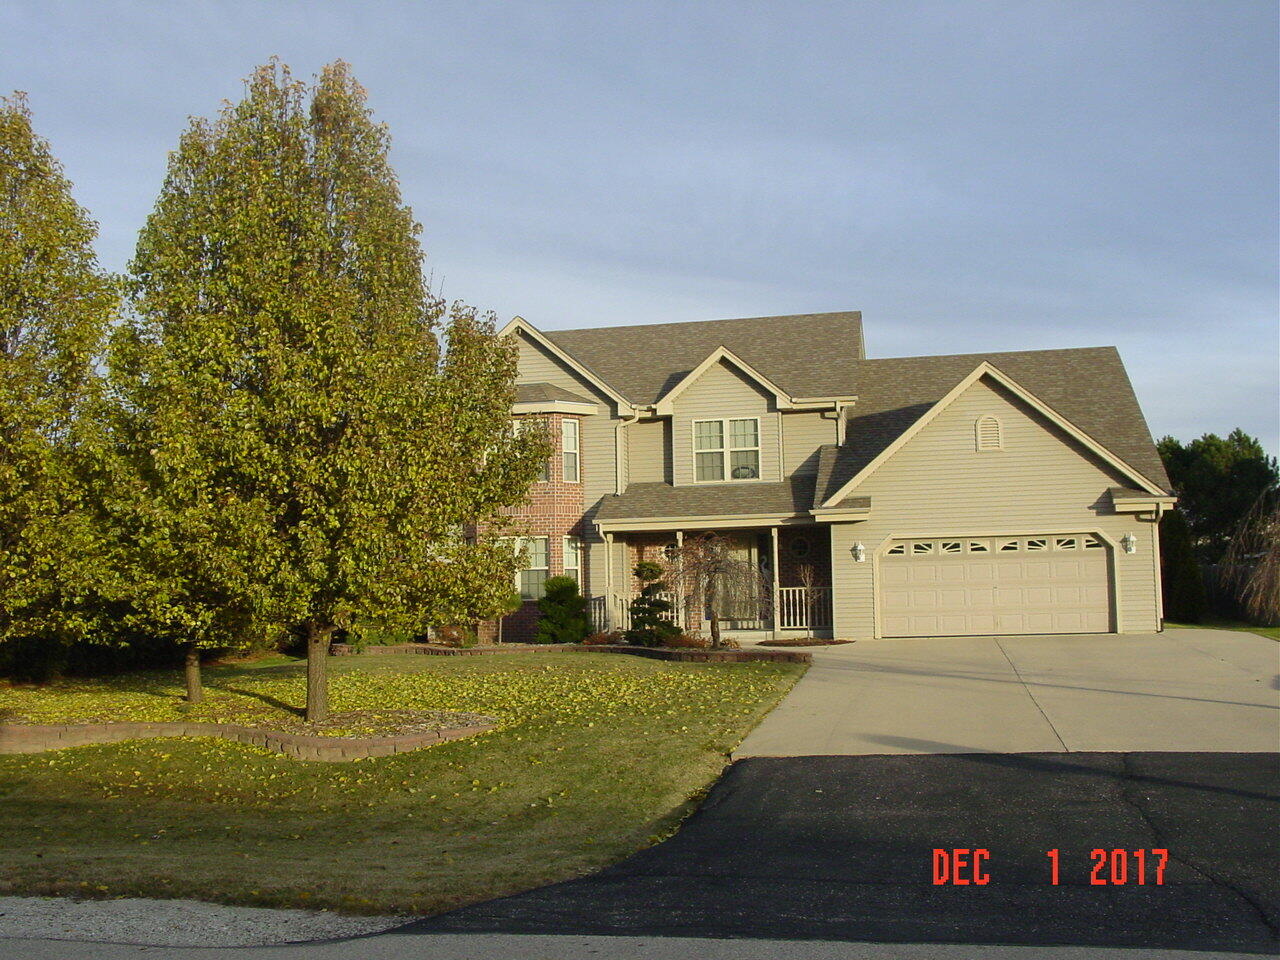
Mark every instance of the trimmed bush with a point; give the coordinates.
(563, 612)
(650, 623)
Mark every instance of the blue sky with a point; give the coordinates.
(971, 176)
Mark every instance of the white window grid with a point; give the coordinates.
(573, 558)
(736, 448)
(531, 578)
(570, 447)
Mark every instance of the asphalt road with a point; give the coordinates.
(841, 849)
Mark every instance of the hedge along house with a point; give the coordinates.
(1003, 493)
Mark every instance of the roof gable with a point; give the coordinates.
(803, 355)
(521, 327)
(878, 435)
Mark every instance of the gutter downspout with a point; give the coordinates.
(617, 449)
(1155, 561)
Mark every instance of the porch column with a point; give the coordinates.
(608, 583)
(682, 615)
(777, 598)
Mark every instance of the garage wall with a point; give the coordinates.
(938, 485)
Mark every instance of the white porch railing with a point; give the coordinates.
(622, 611)
(800, 608)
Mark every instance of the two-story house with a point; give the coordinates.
(1002, 493)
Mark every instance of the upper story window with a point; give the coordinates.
(516, 427)
(569, 429)
(726, 450)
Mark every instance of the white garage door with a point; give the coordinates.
(995, 585)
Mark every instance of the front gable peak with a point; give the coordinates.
(990, 437)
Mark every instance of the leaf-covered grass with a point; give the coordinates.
(1272, 633)
(595, 755)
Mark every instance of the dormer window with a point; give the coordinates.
(988, 433)
(726, 450)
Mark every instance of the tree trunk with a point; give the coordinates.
(191, 673)
(318, 672)
(713, 607)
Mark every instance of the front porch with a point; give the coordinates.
(792, 596)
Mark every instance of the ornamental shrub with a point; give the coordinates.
(563, 612)
(651, 625)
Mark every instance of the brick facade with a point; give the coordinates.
(554, 510)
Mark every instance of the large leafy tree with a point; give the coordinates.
(1218, 480)
(307, 442)
(55, 309)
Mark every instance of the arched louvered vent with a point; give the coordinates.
(989, 434)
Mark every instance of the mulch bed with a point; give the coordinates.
(802, 642)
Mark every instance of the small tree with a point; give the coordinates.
(55, 308)
(651, 622)
(728, 587)
(1182, 583)
(563, 612)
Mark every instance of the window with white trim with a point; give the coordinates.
(520, 426)
(531, 579)
(726, 450)
(988, 434)
(569, 449)
(573, 558)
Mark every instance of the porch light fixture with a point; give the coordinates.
(1130, 543)
(859, 552)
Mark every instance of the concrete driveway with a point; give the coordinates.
(1180, 690)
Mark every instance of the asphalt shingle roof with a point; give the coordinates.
(1087, 386)
(546, 393)
(807, 355)
(655, 500)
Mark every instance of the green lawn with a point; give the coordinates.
(1271, 632)
(595, 756)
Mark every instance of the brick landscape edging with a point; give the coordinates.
(683, 654)
(39, 737)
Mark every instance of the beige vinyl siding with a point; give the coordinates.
(596, 444)
(939, 485)
(802, 435)
(649, 451)
(723, 392)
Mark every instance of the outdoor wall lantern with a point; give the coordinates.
(859, 552)
(1130, 543)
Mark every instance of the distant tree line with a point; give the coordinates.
(268, 430)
